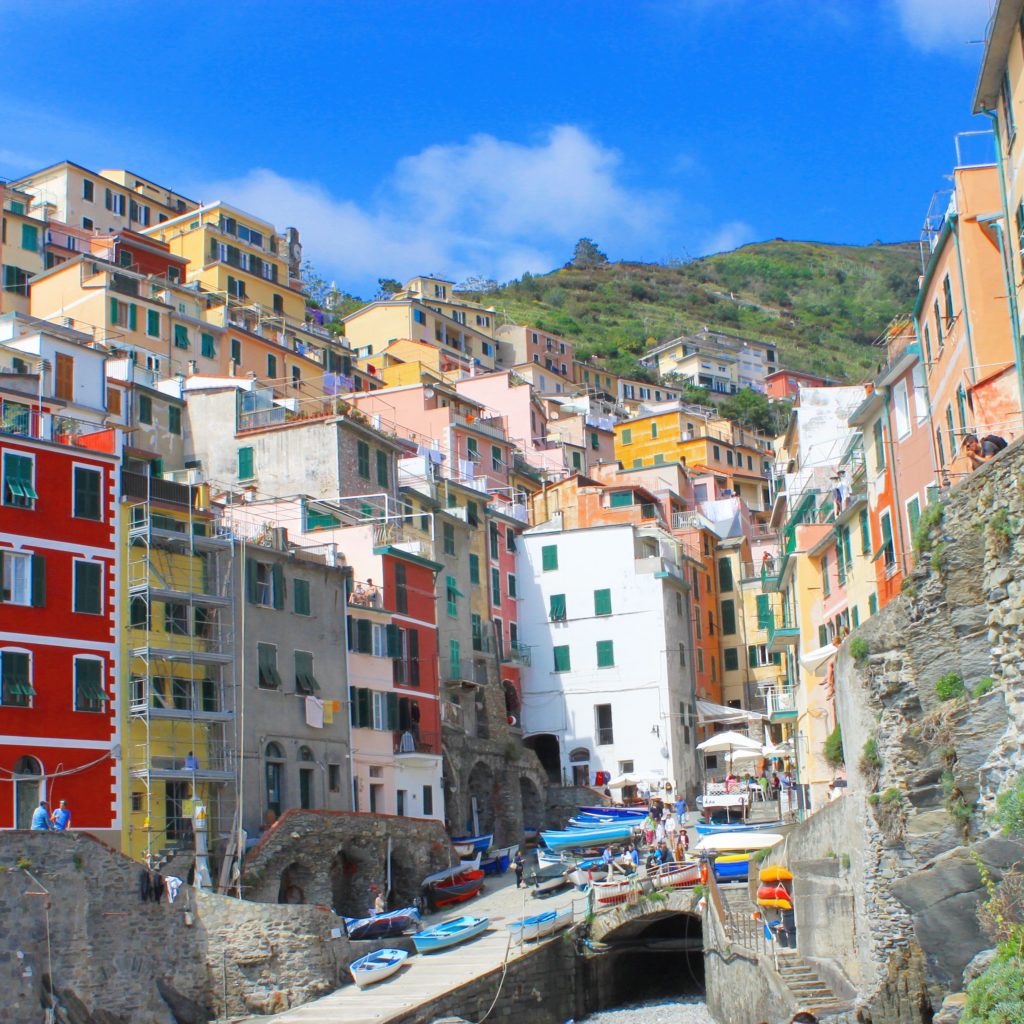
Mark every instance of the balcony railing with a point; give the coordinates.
(516, 653)
(153, 488)
(25, 421)
(366, 595)
(780, 702)
(412, 741)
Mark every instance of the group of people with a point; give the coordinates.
(45, 821)
(771, 785)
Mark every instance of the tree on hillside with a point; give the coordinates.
(752, 410)
(587, 255)
(388, 286)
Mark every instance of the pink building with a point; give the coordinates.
(531, 345)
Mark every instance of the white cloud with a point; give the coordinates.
(485, 206)
(729, 236)
(933, 25)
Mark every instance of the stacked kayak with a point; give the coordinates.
(775, 888)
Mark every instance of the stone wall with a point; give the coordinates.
(331, 858)
(564, 801)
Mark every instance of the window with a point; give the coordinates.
(620, 499)
(873, 604)
(887, 549)
(604, 734)
(19, 481)
(865, 532)
(549, 557)
(474, 569)
(724, 575)
(181, 336)
(947, 296)
(305, 681)
(401, 588)
(145, 409)
(879, 445)
(510, 582)
(88, 596)
(603, 602)
(605, 653)
(901, 408)
(654, 429)
(556, 608)
(510, 539)
(452, 597)
(245, 464)
(15, 679)
(236, 350)
(88, 190)
(494, 542)
(383, 475)
(86, 501)
(495, 587)
(913, 514)
(15, 280)
(176, 618)
(595, 441)
(300, 597)
(728, 617)
(826, 579)
(1006, 95)
(562, 660)
(927, 330)
(30, 237)
(152, 323)
(448, 541)
(87, 223)
(938, 445)
(90, 694)
(939, 333)
(428, 800)
(497, 462)
(363, 459)
(627, 436)
(764, 611)
(264, 584)
(730, 659)
(266, 660)
(206, 346)
(472, 517)
(174, 419)
(334, 778)
(716, 453)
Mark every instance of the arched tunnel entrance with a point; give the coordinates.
(656, 957)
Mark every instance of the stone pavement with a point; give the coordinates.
(425, 978)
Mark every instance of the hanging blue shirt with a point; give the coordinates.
(40, 820)
(61, 819)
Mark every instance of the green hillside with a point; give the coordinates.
(823, 305)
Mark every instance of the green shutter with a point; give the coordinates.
(133, 316)
(113, 310)
(300, 596)
(363, 459)
(724, 574)
(38, 581)
(277, 576)
(392, 710)
(855, 616)
(495, 586)
(728, 617)
(366, 708)
(602, 602)
(913, 514)
(562, 660)
(872, 604)
(886, 522)
(752, 657)
(549, 557)
(730, 659)
(556, 608)
(382, 468)
(764, 611)
(627, 436)
(245, 464)
(394, 645)
(180, 336)
(474, 568)
(88, 597)
(776, 657)
(621, 499)
(605, 653)
(364, 636)
(152, 323)
(822, 636)
(250, 580)
(87, 493)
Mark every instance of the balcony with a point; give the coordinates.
(153, 488)
(782, 635)
(759, 572)
(516, 653)
(414, 749)
(780, 704)
(23, 420)
(366, 595)
(494, 426)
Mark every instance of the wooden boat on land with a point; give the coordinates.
(675, 875)
(612, 892)
(549, 879)
(738, 842)
(450, 933)
(468, 845)
(377, 966)
(456, 889)
(529, 929)
(382, 926)
(616, 812)
(579, 838)
(711, 829)
(439, 876)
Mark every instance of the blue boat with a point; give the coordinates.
(377, 966)
(757, 826)
(575, 838)
(468, 845)
(616, 812)
(451, 933)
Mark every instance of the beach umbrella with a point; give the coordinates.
(727, 742)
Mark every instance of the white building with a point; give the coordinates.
(610, 689)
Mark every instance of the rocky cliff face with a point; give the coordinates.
(925, 761)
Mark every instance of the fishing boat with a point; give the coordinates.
(616, 812)
(549, 879)
(582, 877)
(466, 846)
(545, 858)
(577, 838)
(608, 894)
(440, 876)
(738, 842)
(382, 926)
(498, 860)
(377, 966)
(732, 866)
(450, 933)
(675, 875)
(456, 889)
(712, 829)
(529, 929)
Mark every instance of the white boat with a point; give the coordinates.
(529, 929)
(545, 858)
(675, 875)
(450, 933)
(738, 842)
(582, 877)
(609, 893)
(377, 966)
(466, 865)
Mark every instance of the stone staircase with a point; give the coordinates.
(809, 992)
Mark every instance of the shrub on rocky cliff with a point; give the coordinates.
(834, 748)
(859, 649)
(1009, 814)
(949, 687)
(997, 995)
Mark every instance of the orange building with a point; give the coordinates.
(962, 322)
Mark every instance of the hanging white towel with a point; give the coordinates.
(172, 885)
(314, 712)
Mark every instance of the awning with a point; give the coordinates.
(814, 661)
(710, 713)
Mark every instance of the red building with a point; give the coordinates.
(58, 617)
(502, 531)
(787, 383)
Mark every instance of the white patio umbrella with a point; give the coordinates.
(627, 780)
(727, 742)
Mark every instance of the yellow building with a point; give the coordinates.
(237, 255)
(22, 244)
(721, 362)
(412, 362)
(178, 717)
(702, 442)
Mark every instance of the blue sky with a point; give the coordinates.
(483, 138)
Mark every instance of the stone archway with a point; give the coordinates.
(296, 883)
(532, 804)
(351, 875)
(481, 788)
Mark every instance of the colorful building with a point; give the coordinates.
(518, 344)
(22, 247)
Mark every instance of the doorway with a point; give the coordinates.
(28, 790)
(306, 765)
(175, 796)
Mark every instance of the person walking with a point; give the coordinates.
(61, 818)
(517, 867)
(41, 818)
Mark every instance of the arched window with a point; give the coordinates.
(274, 758)
(305, 754)
(579, 755)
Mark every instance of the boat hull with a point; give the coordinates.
(531, 929)
(581, 838)
(451, 933)
(384, 926)
(616, 812)
(456, 890)
(714, 830)
(377, 966)
(474, 843)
